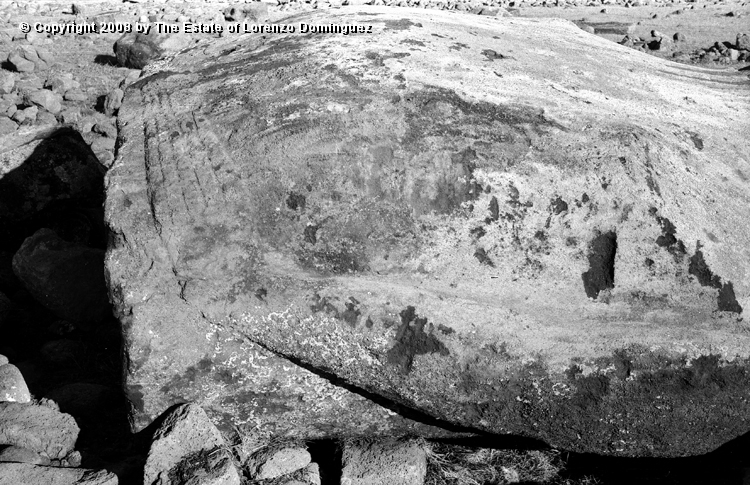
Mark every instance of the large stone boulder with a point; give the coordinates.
(509, 225)
(136, 50)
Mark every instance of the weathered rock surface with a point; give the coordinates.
(187, 444)
(274, 463)
(28, 474)
(506, 224)
(38, 428)
(383, 463)
(17, 454)
(13, 388)
(65, 277)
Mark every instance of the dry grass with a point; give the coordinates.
(456, 465)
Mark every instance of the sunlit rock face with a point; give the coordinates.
(509, 225)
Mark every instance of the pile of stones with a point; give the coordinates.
(725, 52)
(29, 97)
(37, 446)
(720, 53)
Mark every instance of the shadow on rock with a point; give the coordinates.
(56, 324)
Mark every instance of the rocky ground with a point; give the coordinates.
(63, 418)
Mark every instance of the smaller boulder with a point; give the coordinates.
(38, 428)
(18, 454)
(70, 115)
(13, 387)
(25, 116)
(39, 57)
(388, 462)
(7, 126)
(7, 81)
(135, 50)
(29, 474)
(45, 118)
(187, 445)
(113, 101)
(742, 42)
(74, 94)
(61, 83)
(106, 128)
(275, 462)
(19, 63)
(129, 79)
(102, 143)
(46, 99)
(254, 12)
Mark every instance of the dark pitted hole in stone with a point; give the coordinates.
(478, 232)
(352, 313)
(261, 294)
(482, 257)
(494, 209)
(310, 234)
(376, 58)
(623, 364)
(697, 140)
(323, 305)
(601, 273)
(402, 24)
(590, 390)
(296, 201)
(558, 206)
(492, 55)
(412, 340)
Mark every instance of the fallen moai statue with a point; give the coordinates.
(508, 225)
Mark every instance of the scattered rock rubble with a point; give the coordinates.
(720, 53)
(37, 446)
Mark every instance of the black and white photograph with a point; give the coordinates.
(374, 242)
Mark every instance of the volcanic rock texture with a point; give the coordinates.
(510, 225)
